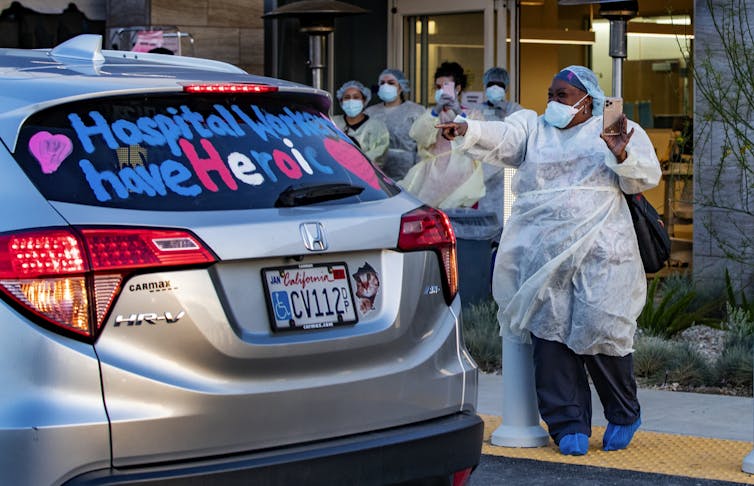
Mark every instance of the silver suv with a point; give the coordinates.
(203, 281)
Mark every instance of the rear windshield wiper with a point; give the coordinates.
(301, 196)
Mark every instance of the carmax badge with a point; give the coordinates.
(149, 318)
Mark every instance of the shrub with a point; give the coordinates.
(660, 361)
(738, 302)
(740, 326)
(679, 284)
(708, 300)
(734, 367)
(689, 367)
(481, 333)
(652, 358)
(674, 307)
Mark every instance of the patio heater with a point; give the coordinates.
(317, 19)
(618, 12)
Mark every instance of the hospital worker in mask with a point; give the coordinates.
(568, 274)
(495, 108)
(398, 113)
(444, 178)
(371, 135)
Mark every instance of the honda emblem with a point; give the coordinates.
(313, 235)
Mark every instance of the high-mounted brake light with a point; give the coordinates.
(228, 88)
(427, 228)
(70, 278)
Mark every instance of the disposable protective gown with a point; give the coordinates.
(494, 175)
(372, 136)
(443, 178)
(568, 267)
(497, 111)
(401, 154)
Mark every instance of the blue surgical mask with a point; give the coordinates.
(387, 92)
(495, 94)
(352, 107)
(438, 95)
(560, 115)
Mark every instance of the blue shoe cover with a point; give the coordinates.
(574, 444)
(618, 437)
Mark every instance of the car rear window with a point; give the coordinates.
(187, 152)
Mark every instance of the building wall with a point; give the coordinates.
(226, 30)
(723, 227)
(361, 45)
(32, 25)
(94, 9)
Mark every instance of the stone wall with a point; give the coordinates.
(226, 30)
(723, 184)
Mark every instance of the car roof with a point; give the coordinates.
(79, 68)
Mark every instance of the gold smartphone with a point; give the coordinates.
(611, 116)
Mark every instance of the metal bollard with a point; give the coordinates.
(520, 427)
(748, 465)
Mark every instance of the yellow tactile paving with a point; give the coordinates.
(678, 455)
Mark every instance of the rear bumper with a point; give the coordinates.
(433, 448)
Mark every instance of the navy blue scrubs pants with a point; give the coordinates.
(563, 393)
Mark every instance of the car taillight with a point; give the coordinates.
(228, 88)
(461, 478)
(426, 228)
(69, 278)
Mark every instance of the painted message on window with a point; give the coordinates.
(217, 150)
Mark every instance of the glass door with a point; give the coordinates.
(472, 33)
(434, 39)
(425, 34)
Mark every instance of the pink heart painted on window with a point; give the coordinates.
(50, 150)
(349, 157)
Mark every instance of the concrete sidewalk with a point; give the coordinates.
(695, 414)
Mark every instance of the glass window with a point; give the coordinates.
(658, 94)
(657, 88)
(191, 152)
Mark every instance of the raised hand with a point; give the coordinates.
(617, 143)
(448, 102)
(451, 130)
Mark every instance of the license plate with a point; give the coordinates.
(309, 296)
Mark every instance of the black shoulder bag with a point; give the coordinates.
(654, 242)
